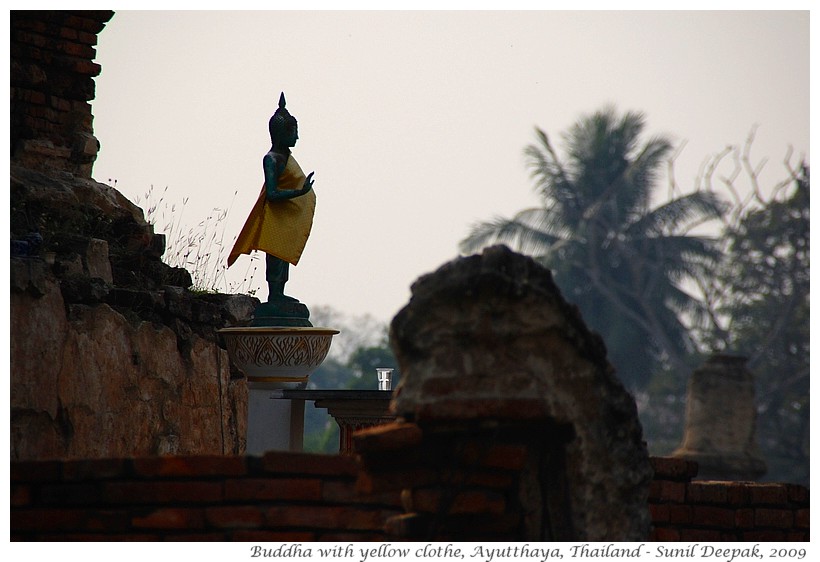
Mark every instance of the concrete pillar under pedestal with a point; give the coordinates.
(273, 425)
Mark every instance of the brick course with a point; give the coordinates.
(305, 497)
(278, 497)
(686, 510)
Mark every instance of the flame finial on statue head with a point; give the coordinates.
(281, 119)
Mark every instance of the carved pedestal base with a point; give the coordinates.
(285, 311)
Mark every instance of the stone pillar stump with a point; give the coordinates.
(721, 415)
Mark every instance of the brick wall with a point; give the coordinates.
(279, 497)
(687, 510)
(52, 82)
(304, 497)
(465, 489)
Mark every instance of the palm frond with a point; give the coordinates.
(674, 216)
(641, 174)
(513, 232)
(552, 182)
(528, 232)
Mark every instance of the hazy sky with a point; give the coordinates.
(415, 122)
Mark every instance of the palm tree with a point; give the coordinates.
(620, 260)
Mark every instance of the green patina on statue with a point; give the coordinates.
(280, 222)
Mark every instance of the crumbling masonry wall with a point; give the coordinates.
(52, 83)
(489, 350)
(284, 497)
(712, 511)
(111, 354)
(278, 497)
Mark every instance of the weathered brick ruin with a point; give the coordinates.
(301, 497)
(52, 83)
(491, 356)
(127, 422)
(111, 355)
(278, 497)
(706, 510)
(483, 461)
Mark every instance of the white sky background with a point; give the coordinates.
(415, 122)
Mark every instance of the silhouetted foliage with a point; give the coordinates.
(766, 275)
(619, 259)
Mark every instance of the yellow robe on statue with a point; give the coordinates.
(280, 228)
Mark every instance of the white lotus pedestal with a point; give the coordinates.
(275, 358)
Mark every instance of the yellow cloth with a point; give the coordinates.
(280, 228)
